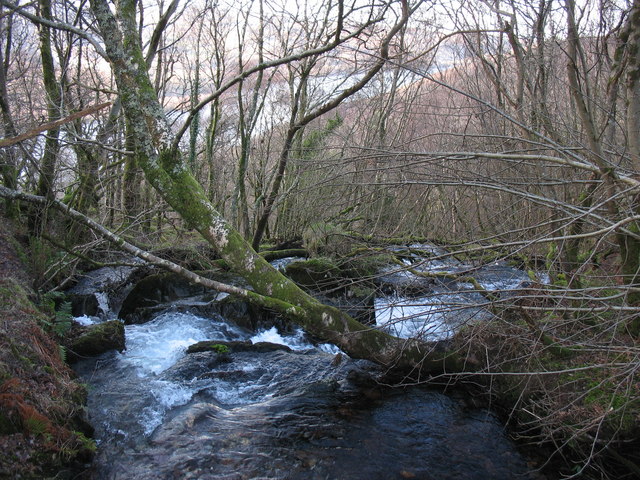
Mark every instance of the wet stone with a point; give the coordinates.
(237, 346)
(93, 340)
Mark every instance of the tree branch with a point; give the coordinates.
(258, 68)
(7, 142)
(57, 25)
(127, 247)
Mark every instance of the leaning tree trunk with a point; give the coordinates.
(166, 171)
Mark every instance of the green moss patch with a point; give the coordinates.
(96, 339)
(316, 273)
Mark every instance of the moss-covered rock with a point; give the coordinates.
(231, 347)
(245, 314)
(365, 264)
(160, 290)
(112, 282)
(316, 273)
(155, 290)
(93, 340)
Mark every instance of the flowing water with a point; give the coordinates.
(439, 306)
(306, 412)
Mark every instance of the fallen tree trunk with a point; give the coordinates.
(328, 323)
(166, 170)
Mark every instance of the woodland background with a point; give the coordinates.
(503, 130)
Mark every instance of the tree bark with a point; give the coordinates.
(54, 98)
(52, 88)
(8, 160)
(166, 171)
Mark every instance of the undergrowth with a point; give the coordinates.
(582, 407)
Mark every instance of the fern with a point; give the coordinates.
(63, 319)
(63, 353)
(59, 308)
(36, 424)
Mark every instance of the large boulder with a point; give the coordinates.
(100, 292)
(333, 286)
(223, 347)
(156, 293)
(318, 274)
(92, 340)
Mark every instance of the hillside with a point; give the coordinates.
(42, 426)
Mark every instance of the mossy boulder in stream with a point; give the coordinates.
(113, 283)
(156, 292)
(222, 347)
(333, 286)
(153, 291)
(316, 273)
(95, 339)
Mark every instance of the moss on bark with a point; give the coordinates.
(166, 171)
(96, 339)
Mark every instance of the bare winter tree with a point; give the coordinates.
(506, 130)
(158, 155)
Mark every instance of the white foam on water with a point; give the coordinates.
(168, 395)
(281, 263)
(413, 317)
(84, 320)
(297, 341)
(235, 393)
(503, 284)
(329, 348)
(103, 302)
(154, 346)
(294, 342)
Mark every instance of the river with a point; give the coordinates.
(305, 412)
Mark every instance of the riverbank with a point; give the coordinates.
(43, 432)
(574, 411)
(565, 385)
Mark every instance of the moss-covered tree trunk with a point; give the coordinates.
(131, 183)
(8, 155)
(47, 167)
(166, 171)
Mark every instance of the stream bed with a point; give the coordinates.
(303, 412)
